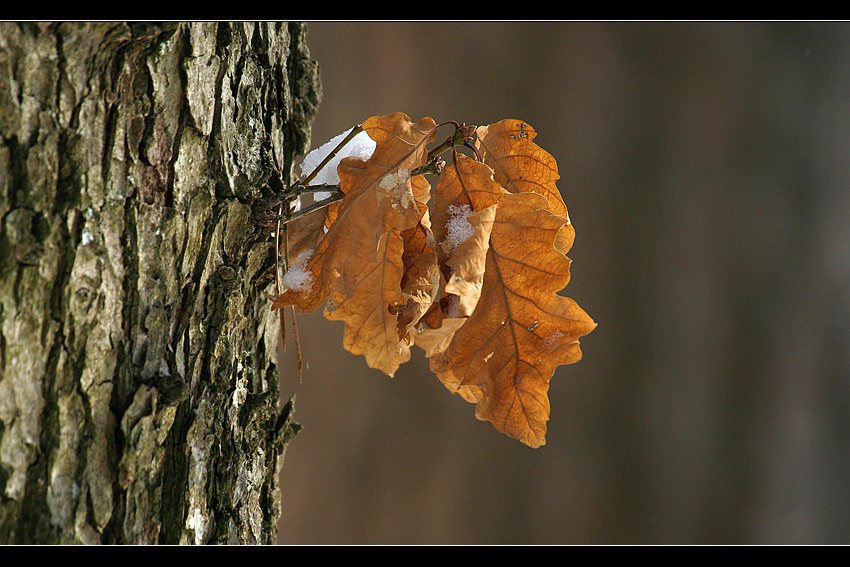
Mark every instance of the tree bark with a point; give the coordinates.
(139, 397)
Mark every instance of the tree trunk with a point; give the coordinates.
(139, 397)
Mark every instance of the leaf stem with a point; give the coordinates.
(434, 167)
(463, 136)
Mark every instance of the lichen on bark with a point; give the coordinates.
(139, 399)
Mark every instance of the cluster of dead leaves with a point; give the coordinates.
(473, 279)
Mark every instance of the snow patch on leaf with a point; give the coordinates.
(297, 278)
(458, 227)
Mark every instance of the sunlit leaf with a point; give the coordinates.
(358, 264)
(504, 355)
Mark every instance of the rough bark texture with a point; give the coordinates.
(139, 396)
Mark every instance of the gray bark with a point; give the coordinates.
(139, 397)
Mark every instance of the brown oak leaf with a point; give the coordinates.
(358, 264)
(420, 282)
(503, 356)
(464, 210)
(521, 166)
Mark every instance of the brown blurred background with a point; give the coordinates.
(707, 173)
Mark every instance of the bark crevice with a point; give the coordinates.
(139, 400)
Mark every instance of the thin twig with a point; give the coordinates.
(294, 324)
(433, 167)
(287, 197)
(297, 341)
(278, 283)
(354, 131)
(334, 197)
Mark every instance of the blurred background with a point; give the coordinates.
(707, 173)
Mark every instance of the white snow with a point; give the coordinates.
(458, 227)
(360, 146)
(296, 277)
(198, 524)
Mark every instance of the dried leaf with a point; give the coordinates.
(358, 264)
(463, 235)
(420, 283)
(302, 234)
(461, 293)
(504, 355)
(521, 166)
(466, 183)
(468, 262)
